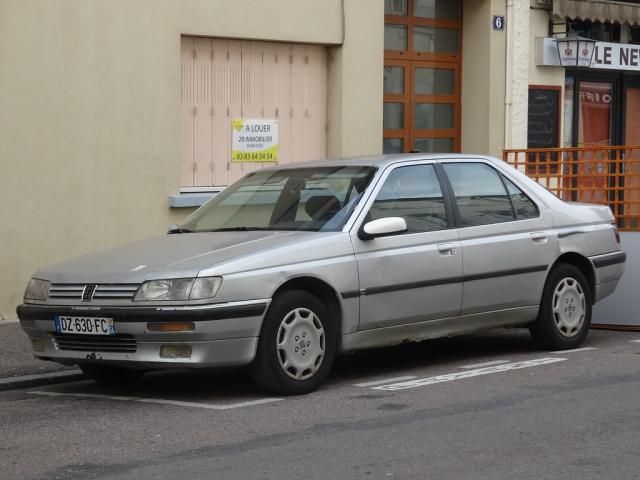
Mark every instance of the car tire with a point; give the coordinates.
(297, 345)
(565, 310)
(111, 374)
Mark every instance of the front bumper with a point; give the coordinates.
(224, 334)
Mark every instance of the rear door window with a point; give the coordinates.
(480, 194)
(523, 205)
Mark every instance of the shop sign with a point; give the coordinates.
(254, 140)
(606, 56)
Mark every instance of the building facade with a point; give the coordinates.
(117, 117)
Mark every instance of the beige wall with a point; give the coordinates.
(483, 78)
(90, 111)
(356, 82)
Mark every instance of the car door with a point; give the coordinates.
(415, 275)
(507, 240)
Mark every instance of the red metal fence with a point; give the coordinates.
(597, 174)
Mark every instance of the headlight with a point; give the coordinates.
(179, 289)
(37, 290)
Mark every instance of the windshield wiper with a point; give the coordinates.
(178, 229)
(238, 229)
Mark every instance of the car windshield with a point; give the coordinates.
(314, 199)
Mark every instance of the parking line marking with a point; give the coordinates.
(386, 380)
(575, 350)
(177, 403)
(485, 364)
(422, 382)
(634, 341)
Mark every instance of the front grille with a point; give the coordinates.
(96, 343)
(112, 291)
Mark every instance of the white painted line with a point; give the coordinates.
(39, 376)
(421, 382)
(7, 322)
(584, 349)
(634, 341)
(386, 380)
(209, 406)
(485, 364)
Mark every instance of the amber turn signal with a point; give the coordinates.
(171, 326)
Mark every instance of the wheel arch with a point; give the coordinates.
(583, 264)
(321, 289)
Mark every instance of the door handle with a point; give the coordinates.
(447, 248)
(538, 237)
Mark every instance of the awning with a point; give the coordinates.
(600, 10)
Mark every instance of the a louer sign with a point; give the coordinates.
(606, 56)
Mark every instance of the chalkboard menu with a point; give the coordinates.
(544, 117)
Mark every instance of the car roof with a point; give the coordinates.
(380, 161)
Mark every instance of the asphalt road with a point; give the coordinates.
(484, 407)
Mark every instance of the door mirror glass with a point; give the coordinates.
(383, 226)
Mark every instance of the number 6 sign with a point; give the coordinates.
(498, 22)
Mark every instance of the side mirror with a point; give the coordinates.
(382, 227)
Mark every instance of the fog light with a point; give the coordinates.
(171, 326)
(175, 351)
(38, 344)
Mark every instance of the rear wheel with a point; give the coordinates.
(297, 345)
(565, 310)
(110, 374)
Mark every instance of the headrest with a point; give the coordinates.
(322, 207)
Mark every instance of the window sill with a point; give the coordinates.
(190, 199)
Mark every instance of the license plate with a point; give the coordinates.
(84, 325)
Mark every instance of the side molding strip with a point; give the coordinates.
(444, 281)
(608, 260)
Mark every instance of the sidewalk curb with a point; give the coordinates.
(37, 380)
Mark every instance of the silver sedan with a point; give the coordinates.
(290, 266)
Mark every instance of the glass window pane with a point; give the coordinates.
(392, 145)
(395, 7)
(395, 37)
(435, 40)
(595, 102)
(393, 115)
(441, 9)
(311, 198)
(433, 145)
(523, 205)
(414, 194)
(480, 194)
(394, 80)
(434, 81)
(433, 115)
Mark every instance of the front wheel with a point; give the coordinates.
(565, 310)
(297, 345)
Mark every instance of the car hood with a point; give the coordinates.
(169, 256)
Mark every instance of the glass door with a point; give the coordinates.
(629, 211)
(595, 128)
(434, 107)
(422, 43)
